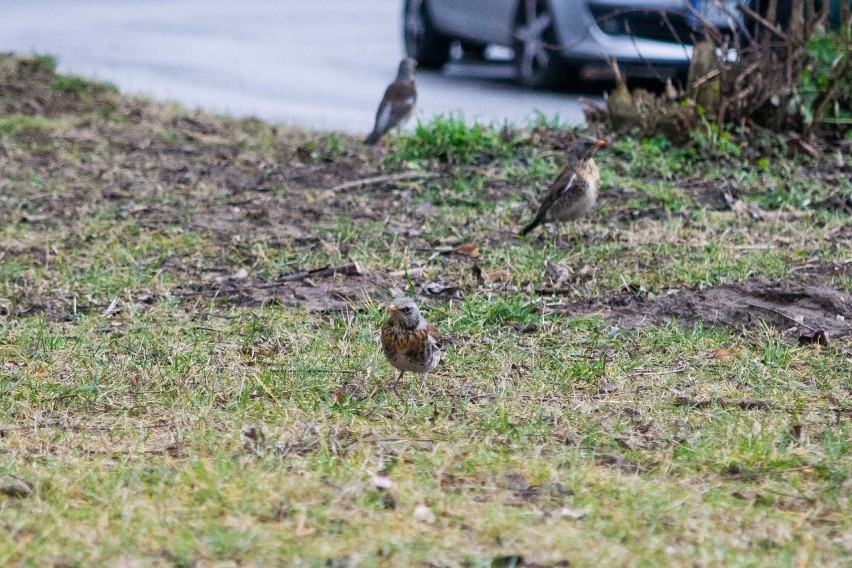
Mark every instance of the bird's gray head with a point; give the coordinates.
(585, 148)
(406, 70)
(404, 313)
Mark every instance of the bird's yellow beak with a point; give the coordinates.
(600, 143)
(393, 308)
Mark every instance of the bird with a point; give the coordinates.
(575, 191)
(398, 103)
(409, 342)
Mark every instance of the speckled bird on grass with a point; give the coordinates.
(410, 343)
(575, 191)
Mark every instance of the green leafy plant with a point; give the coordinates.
(824, 93)
(79, 85)
(714, 142)
(449, 139)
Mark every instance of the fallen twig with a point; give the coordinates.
(382, 179)
(782, 314)
(556, 291)
(316, 370)
(746, 403)
(782, 494)
(350, 269)
(642, 372)
(416, 271)
(62, 424)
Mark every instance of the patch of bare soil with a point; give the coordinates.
(795, 309)
(625, 205)
(342, 288)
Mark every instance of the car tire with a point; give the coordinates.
(473, 51)
(537, 58)
(422, 41)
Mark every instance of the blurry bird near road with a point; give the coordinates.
(409, 342)
(575, 191)
(398, 103)
(619, 106)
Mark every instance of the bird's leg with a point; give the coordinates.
(423, 380)
(396, 382)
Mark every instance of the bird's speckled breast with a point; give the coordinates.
(410, 350)
(574, 206)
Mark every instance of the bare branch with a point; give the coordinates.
(382, 179)
(673, 31)
(639, 53)
(763, 22)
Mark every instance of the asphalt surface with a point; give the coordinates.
(316, 63)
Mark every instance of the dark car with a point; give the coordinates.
(553, 39)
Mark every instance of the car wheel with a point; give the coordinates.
(423, 42)
(536, 54)
(475, 51)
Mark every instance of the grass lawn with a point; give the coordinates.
(185, 380)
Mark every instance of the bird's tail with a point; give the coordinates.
(372, 138)
(534, 223)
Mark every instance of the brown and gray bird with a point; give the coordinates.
(575, 191)
(398, 103)
(410, 343)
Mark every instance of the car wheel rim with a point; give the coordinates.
(415, 27)
(534, 57)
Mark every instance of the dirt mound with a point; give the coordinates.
(794, 309)
(30, 85)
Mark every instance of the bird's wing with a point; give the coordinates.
(397, 103)
(383, 116)
(435, 335)
(565, 187)
(565, 184)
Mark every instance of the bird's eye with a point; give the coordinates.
(406, 310)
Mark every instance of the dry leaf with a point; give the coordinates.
(468, 249)
(15, 487)
(498, 275)
(569, 513)
(796, 432)
(424, 514)
(382, 481)
(720, 354)
(556, 272)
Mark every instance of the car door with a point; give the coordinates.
(495, 18)
(482, 21)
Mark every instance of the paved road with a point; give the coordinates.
(317, 63)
